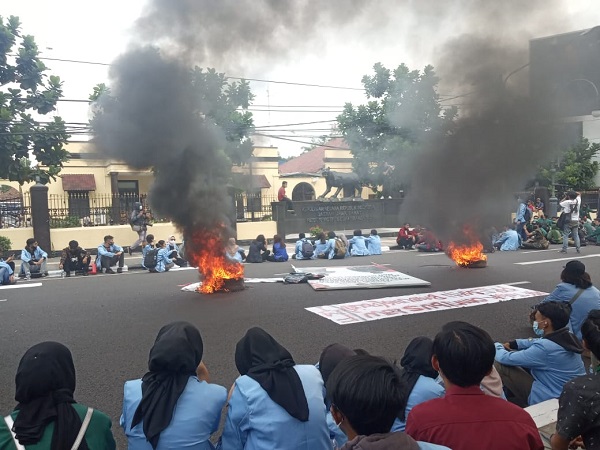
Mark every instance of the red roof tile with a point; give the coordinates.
(313, 160)
(79, 182)
(244, 181)
(9, 193)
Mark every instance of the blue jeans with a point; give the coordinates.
(573, 228)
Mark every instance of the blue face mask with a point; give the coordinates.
(537, 330)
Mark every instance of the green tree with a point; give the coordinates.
(403, 108)
(25, 91)
(575, 168)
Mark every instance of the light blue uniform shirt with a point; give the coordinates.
(144, 251)
(374, 244)
(321, 247)
(551, 366)
(358, 246)
(103, 251)
(37, 255)
(588, 300)
(195, 417)
(162, 259)
(5, 272)
(425, 389)
(255, 422)
(510, 241)
(298, 249)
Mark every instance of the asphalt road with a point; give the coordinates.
(110, 321)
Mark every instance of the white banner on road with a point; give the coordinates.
(359, 277)
(382, 308)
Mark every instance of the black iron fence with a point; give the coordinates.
(16, 212)
(253, 207)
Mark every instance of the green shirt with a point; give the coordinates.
(98, 434)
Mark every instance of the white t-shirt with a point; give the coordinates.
(567, 206)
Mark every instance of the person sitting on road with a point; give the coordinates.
(535, 370)
(419, 378)
(465, 418)
(280, 253)
(374, 243)
(536, 239)
(509, 240)
(358, 244)
(406, 239)
(274, 403)
(174, 252)
(322, 246)
(47, 417)
(428, 242)
(365, 393)
(576, 288)
(233, 252)
(304, 248)
(163, 262)
(7, 271)
(173, 405)
(258, 253)
(33, 260)
(149, 246)
(110, 254)
(578, 415)
(74, 258)
(594, 232)
(554, 235)
(330, 357)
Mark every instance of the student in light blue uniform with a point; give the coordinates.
(6, 272)
(149, 246)
(419, 377)
(330, 249)
(576, 282)
(322, 248)
(509, 240)
(331, 356)
(163, 262)
(298, 249)
(374, 243)
(274, 404)
(33, 259)
(551, 360)
(110, 253)
(173, 405)
(358, 244)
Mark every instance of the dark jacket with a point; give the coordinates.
(255, 252)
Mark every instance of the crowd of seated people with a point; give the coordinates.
(459, 391)
(420, 238)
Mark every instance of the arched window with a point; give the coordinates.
(303, 192)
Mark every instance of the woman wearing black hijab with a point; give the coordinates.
(274, 403)
(173, 405)
(47, 416)
(419, 378)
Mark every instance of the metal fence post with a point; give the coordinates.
(40, 216)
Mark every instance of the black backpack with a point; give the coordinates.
(151, 258)
(307, 249)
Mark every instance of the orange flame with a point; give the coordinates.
(465, 254)
(209, 256)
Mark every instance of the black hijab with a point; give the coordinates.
(331, 356)
(176, 354)
(415, 362)
(263, 359)
(45, 383)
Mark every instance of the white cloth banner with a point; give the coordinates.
(382, 308)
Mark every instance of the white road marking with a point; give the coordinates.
(516, 283)
(539, 251)
(566, 258)
(432, 254)
(3, 300)
(20, 286)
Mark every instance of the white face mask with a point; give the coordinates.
(172, 241)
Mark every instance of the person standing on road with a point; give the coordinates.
(570, 205)
(33, 259)
(139, 221)
(110, 254)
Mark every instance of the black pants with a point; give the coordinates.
(406, 242)
(73, 266)
(289, 204)
(107, 261)
(178, 259)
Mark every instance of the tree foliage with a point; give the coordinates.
(574, 170)
(403, 108)
(26, 91)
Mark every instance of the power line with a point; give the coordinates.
(301, 142)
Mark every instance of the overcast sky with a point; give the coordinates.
(412, 33)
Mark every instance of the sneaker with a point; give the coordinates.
(562, 251)
(28, 277)
(85, 274)
(67, 274)
(120, 270)
(109, 271)
(578, 251)
(129, 251)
